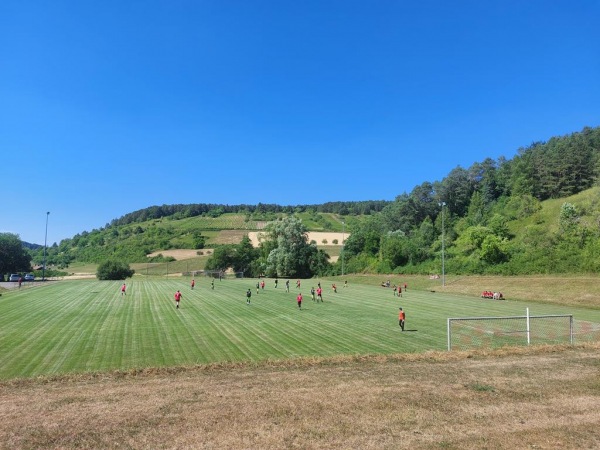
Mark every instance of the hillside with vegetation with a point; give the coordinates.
(135, 236)
(538, 212)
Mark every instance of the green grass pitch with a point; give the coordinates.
(87, 326)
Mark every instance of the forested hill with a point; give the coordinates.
(536, 213)
(257, 212)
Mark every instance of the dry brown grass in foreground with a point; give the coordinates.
(542, 398)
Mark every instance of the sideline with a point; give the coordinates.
(434, 357)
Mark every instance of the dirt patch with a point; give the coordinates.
(317, 236)
(180, 254)
(229, 237)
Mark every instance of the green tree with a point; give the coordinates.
(114, 270)
(493, 249)
(13, 256)
(244, 255)
(240, 257)
(476, 212)
(365, 237)
(396, 249)
(569, 216)
(497, 224)
(291, 255)
(456, 190)
(318, 261)
(198, 240)
(222, 258)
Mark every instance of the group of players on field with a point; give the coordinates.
(315, 294)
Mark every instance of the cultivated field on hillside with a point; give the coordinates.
(322, 238)
(181, 254)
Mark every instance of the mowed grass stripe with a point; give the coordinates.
(87, 325)
(195, 312)
(76, 340)
(42, 338)
(269, 303)
(293, 336)
(72, 339)
(227, 313)
(158, 325)
(166, 331)
(27, 336)
(325, 328)
(211, 308)
(109, 301)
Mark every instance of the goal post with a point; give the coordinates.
(493, 332)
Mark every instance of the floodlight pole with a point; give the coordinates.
(343, 235)
(442, 204)
(45, 243)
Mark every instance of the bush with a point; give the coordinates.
(114, 270)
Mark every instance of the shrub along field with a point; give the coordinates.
(81, 326)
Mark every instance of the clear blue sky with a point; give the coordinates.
(108, 107)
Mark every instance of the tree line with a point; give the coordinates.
(181, 211)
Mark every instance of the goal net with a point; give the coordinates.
(222, 274)
(466, 333)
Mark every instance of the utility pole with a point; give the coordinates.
(343, 236)
(45, 244)
(442, 204)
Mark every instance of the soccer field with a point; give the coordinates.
(88, 326)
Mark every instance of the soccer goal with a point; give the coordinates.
(221, 274)
(466, 333)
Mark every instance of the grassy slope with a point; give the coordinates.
(80, 326)
(587, 203)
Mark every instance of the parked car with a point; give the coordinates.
(29, 277)
(14, 277)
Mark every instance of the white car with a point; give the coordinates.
(14, 277)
